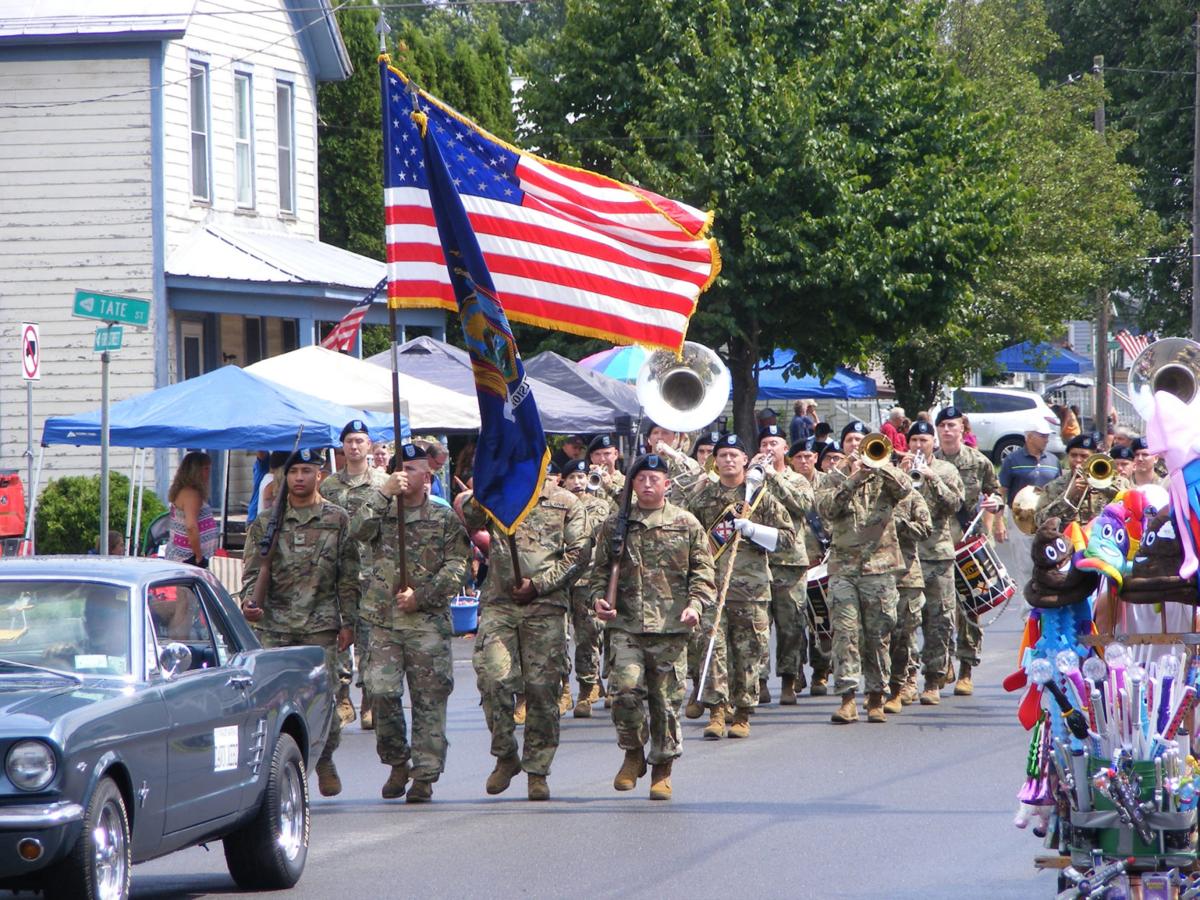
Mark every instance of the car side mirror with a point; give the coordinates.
(174, 658)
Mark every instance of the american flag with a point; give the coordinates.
(1132, 344)
(342, 336)
(567, 249)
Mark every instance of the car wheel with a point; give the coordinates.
(268, 853)
(99, 866)
(1005, 446)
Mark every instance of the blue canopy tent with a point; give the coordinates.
(844, 385)
(1046, 358)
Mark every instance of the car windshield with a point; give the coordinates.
(72, 626)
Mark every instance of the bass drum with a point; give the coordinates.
(980, 577)
(817, 608)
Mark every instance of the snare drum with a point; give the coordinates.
(817, 608)
(980, 577)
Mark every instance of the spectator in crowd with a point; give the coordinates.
(438, 455)
(262, 468)
(801, 428)
(380, 454)
(969, 436)
(893, 429)
(767, 417)
(572, 448)
(1068, 418)
(194, 531)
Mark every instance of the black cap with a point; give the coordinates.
(831, 447)
(650, 462)
(950, 412)
(601, 442)
(1121, 453)
(1138, 443)
(921, 427)
(730, 440)
(768, 413)
(354, 426)
(770, 431)
(576, 439)
(1084, 442)
(575, 465)
(855, 427)
(309, 457)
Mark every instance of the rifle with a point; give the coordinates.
(620, 529)
(253, 609)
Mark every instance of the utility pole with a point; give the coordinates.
(1196, 189)
(1100, 418)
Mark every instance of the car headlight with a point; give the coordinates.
(30, 765)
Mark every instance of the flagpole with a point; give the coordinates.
(382, 28)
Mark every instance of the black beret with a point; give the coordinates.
(831, 447)
(650, 462)
(730, 440)
(770, 431)
(950, 412)
(708, 439)
(855, 427)
(651, 425)
(601, 442)
(575, 465)
(921, 427)
(1139, 443)
(412, 451)
(1121, 453)
(1084, 442)
(354, 426)
(310, 457)
(804, 446)
(553, 469)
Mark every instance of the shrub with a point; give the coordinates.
(68, 512)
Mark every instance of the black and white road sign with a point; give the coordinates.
(31, 352)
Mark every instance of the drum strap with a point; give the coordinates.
(818, 529)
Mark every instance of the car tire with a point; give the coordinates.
(1005, 446)
(100, 864)
(268, 853)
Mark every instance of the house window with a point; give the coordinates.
(286, 126)
(198, 87)
(256, 340)
(291, 335)
(243, 139)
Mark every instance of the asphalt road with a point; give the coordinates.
(918, 808)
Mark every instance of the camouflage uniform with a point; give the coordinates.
(818, 649)
(942, 488)
(666, 567)
(314, 586)
(744, 635)
(587, 628)
(913, 525)
(1054, 500)
(528, 643)
(412, 645)
(864, 559)
(789, 578)
(350, 492)
(978, 477)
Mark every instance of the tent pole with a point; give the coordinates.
(224, 503)
(33, 494)
(133, 466)
(135, 548)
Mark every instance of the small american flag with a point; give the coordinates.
(1132, 344)
(342, 336)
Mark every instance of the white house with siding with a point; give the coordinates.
(164, 149)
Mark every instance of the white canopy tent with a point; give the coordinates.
(338, 378)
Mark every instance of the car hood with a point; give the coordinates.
(34, 704)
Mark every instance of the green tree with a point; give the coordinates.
(852, 177)
(68, 513)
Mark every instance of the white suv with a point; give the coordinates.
(1001, 416)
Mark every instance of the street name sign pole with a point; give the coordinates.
(31, 371)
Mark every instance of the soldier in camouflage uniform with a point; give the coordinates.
(603, 456)
(913, 525)
(313, 595)
(981, 490)
(409, 630)
(522, 635)
(666, 583)
(789, 572)
(744, 630)
(587, 628)
(942, 488)
(349, 489)
(803, 459)
(857, 505)
(1082, 502)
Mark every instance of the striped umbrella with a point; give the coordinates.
(621, 363)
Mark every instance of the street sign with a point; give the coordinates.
(31, 352)
(108, 338)
(112, 308)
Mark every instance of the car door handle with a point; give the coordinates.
(240, 681)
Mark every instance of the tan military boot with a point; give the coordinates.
(328, 782)
(420, 792)
(875, 708)
(633, 768)
(893, 705)
(394, 786)
(741, 723)
(764, 692)
(367, 713)
(538, 789)
(660, 781)
(715, 729)
(565, 700)
(847, 712)
(820, 684)
(519, 710)
(694, 709)
(931, 696)
(787, 692)
(502, 775)
(908, 691)
(345, 709)
(963, 687)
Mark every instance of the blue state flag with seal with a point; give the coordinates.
(511, 454)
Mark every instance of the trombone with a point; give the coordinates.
(875, 452)
(1098, 470)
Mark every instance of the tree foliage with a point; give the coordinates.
(68, 513)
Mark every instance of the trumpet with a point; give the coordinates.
(919, 465)
(875, 450)
(595, 481)
(1099, 471)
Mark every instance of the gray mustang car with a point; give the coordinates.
(138, 716)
